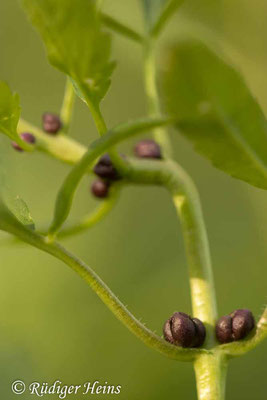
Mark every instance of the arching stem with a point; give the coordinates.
(153, 103)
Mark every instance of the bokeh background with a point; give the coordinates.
(52, 326)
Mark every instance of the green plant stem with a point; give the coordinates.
(150, 80)
(94, 217)
(60, 146)
(187, 204)
(100, 288)
(168, 11)
(101, 126)
(70, 185)
(67, 106)
(211, 368)
(97, 117)
(70, 151)
(120, 28)
(210, 372)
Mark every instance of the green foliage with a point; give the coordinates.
(17, 206)
(9, 114)
(75, 43)
(14, 212)
(222, 119)
(9, 111)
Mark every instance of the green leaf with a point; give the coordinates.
(223, 120)
(9, 114)
(75, 43)
(157, 12)
(17, 206)
(13, 210)
(9, 111)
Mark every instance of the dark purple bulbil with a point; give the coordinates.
(182, 330)
(105, 169)
(147, 148)
(235, 326)
(27, 137)
(100, 188)
(51, 123)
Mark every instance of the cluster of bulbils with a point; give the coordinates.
(182, 330)
(235, 326)
(107, 173)
(104, 169)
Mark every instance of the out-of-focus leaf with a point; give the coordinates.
(9, 114)
(75, 42)
(224, 121)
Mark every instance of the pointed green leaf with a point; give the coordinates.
(13, 210)
(19, 209)
(75, 42)
(224, 121)
(9, 114)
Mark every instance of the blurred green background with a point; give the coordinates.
(52, 326)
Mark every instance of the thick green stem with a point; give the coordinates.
(211, 368)
(69, 151)
(60, 146)
(197, 248)
(151, 89)
(187, 203)
(210, 371)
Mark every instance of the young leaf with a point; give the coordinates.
(17, 206)
(13, 210)
(224, 121)
(9, 114)
(75, 43)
